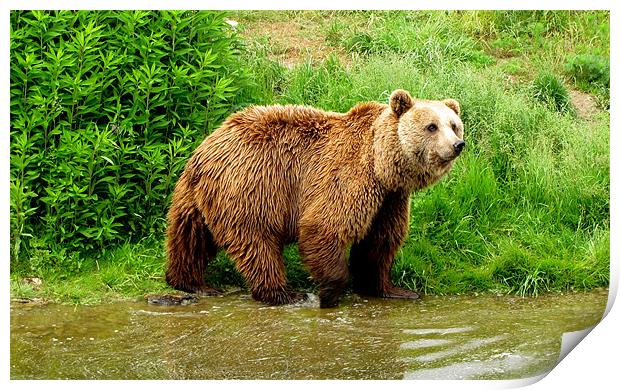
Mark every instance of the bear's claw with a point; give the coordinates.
(399, 293)
(206, 291)
(279, 297)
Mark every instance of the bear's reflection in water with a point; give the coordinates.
(236, 337)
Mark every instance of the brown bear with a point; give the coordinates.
(272, 175)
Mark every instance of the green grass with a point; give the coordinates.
(130, 270)
(525, 210)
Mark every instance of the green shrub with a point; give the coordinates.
(550, 90)
(105, 108)
(589, 70)
(335, 32)
(361, 42)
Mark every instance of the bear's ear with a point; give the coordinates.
(454, 105)
(400, 102)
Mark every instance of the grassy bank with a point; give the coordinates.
(526, 208)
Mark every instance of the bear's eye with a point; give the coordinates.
(454, 127)
(432, 127)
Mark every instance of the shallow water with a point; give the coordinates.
(234, 337)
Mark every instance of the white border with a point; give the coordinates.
(316, 4)
(592, 363)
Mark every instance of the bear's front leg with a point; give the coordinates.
(371, 258)
(325, 257)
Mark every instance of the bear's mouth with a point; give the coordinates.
(443, 160)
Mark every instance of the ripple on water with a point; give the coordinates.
(424, 343)
(437, 331)
(167, 313)
(473, 369)
(312, 301)
(473, 344)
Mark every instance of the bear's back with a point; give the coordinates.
(271, 160)
(276, 123)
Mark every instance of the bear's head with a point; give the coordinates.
(430, 131)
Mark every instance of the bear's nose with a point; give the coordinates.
(458, 146)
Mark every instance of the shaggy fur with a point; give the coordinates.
(279, 174)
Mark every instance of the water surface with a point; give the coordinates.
(235, 337)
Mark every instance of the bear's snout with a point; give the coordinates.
(458, 146)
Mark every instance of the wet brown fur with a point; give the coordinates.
(280, 174)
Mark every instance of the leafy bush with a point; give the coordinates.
(550, 90)
(105, 108)
(589, 70)
(361, 43)
(525, 22)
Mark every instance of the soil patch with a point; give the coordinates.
(585, 105)
(291, 43)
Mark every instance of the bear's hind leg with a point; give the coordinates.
(190, 247)
(262, 265)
